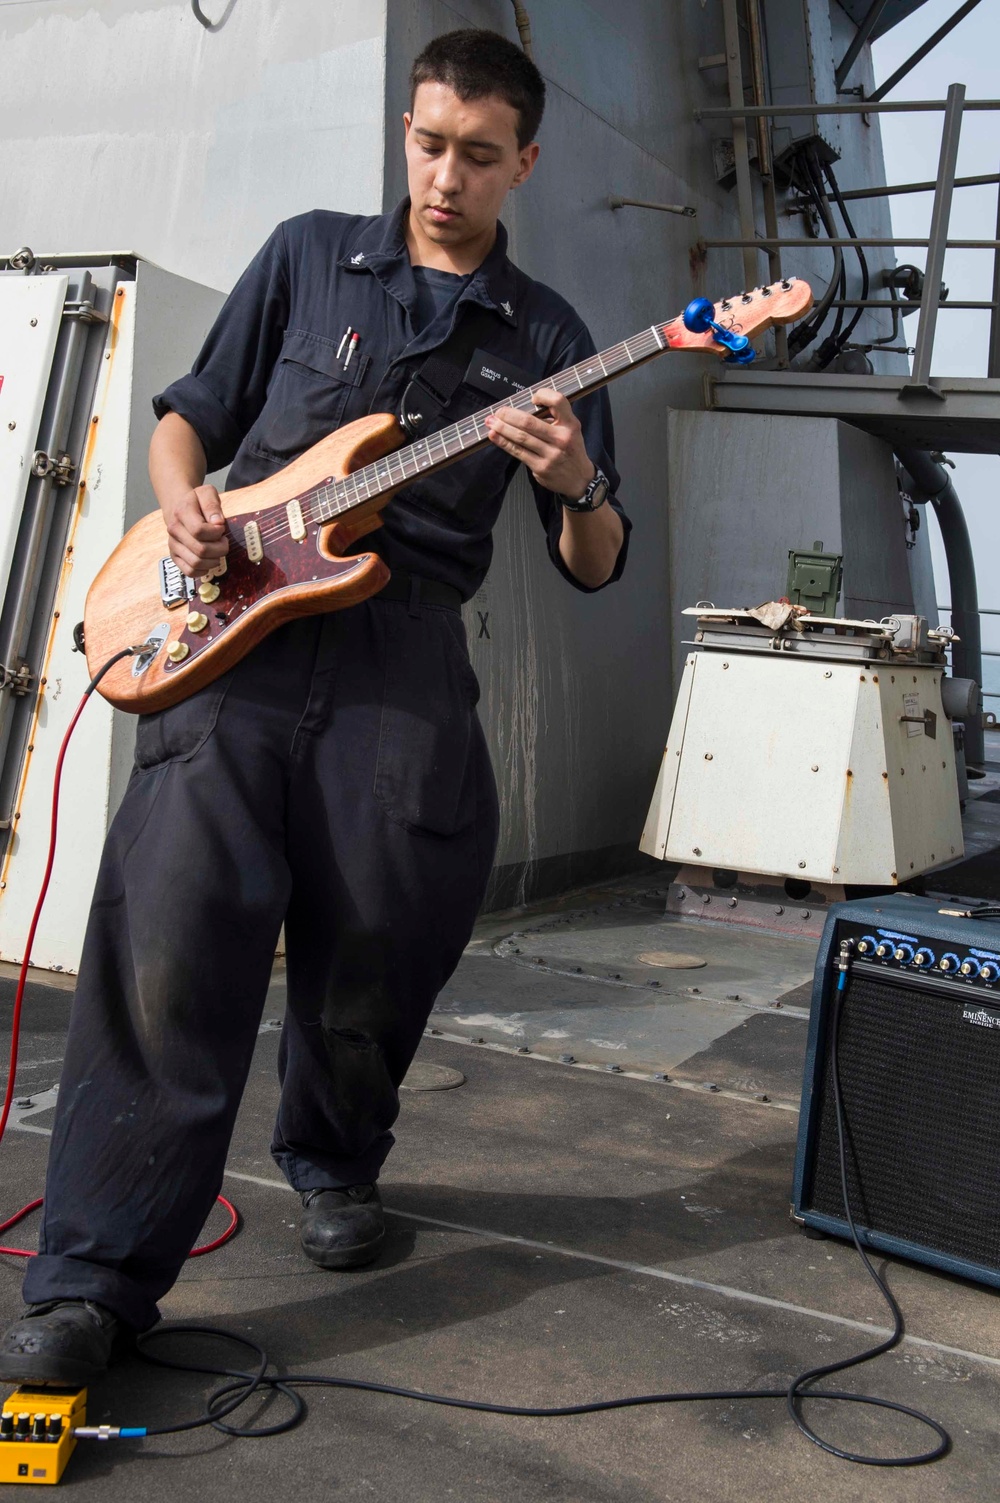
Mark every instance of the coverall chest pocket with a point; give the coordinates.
(425, 776)
(308, 396)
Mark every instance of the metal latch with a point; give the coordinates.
(59, 466)
(928, 720)
(18, 680)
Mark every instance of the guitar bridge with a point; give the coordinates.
(175, 588)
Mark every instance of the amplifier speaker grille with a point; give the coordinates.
(921, 1091)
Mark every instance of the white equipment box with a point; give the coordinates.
(86, 341)
(818, 749)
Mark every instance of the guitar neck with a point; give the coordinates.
(448, 444)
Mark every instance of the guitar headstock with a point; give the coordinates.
(749, 313)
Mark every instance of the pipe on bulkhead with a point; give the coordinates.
(523, 23)
(926, 480)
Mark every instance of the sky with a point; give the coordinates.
(911, 144)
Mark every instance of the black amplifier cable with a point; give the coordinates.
(242, 1385)
(799, 1388)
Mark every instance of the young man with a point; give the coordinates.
(337, 778)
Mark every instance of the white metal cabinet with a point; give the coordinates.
(154, 325)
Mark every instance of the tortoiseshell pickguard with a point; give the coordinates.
(286, 563)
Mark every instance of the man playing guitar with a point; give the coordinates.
(336, 779)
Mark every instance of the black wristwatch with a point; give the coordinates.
(594, 496)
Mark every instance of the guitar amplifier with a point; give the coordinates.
(919, 1065)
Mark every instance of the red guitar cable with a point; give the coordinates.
(15, 1036)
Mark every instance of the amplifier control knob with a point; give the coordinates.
(948, 962)
(969, 967)
(904, 954)
(883, 950)
(990, 971)
(924, 956)
(866, 945)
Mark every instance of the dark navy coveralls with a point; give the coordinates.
(336, 779)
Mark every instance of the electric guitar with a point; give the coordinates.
(288, 534)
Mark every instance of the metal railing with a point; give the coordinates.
(936, 243)
(983, 611)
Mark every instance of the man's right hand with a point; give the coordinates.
(192, 510)
(196, 528)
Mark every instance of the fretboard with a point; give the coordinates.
(448, 444)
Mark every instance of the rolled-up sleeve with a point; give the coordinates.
(226, 389)
(594, 415)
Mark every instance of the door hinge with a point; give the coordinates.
(57, 466)
(85, 311)
(18, 680)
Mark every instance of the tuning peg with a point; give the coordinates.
(698, 318)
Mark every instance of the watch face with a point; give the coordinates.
(593, 497)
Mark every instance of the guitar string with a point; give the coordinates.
(344, 494)
(464, 432)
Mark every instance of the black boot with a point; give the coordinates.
(66, 1341)
(342, 1228)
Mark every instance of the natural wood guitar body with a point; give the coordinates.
(124, 605)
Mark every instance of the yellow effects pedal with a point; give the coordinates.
(36, 1432)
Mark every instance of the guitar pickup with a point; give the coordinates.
(175, 588)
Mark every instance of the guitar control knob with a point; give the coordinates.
(883, 950)
(196, 621)
(904, 954)
(990, 971)
(866, 945)
(969, 967)
(207, 591)
(948, 962)
(178, 651)
(924, 956)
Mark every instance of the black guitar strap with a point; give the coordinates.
(435, 383)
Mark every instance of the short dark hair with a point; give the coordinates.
(475, 64)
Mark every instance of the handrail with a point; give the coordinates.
(936, 243)
(859, 107)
